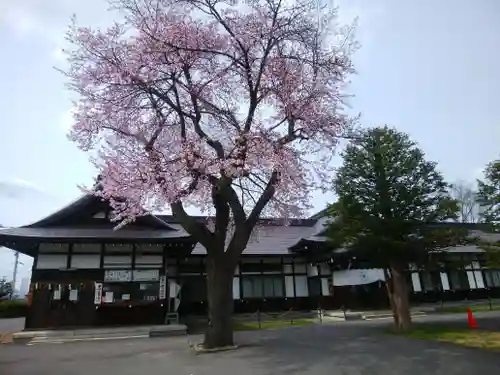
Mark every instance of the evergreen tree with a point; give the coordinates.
(391, 207)
(5, 288)
(489, 193)
(488, 197)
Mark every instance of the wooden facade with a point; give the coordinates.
(274, 283)
(87, 274)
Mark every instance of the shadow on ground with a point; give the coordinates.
(344, 348)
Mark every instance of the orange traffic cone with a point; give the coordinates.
(470, 317)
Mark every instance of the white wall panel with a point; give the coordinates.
(312, 270)
(301, 287)
(236, 288)
(444, 281)
(113, 248)
(120, 261)
(299, 268)
(325, 290)
(479, 280)
(87, 248)
(289, 286)
(148, 261)
(53, 247)
(51, 261)
(415, 280)
(151, 248)
(287, 268)
(85, 261)
(472, 281)
(325, 269)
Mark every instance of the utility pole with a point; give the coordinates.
(14, 275)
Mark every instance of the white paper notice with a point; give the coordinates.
(108, 297)
(73, 295)
(98, 293)
(57, 294)
(163, 287)
(125, 297)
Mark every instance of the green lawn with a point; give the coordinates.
(465, 337)
(269, 324)
(460, 309)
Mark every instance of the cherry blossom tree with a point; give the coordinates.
(232, 107)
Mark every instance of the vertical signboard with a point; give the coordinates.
(163, 287)
(98, 293)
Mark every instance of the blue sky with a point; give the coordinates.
(429, 68)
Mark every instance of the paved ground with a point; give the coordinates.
(341, 348)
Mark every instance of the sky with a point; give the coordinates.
(428, 68)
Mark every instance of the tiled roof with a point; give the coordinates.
(268, 240)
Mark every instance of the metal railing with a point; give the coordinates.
(263, 320)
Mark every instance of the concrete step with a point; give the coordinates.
(98, 334)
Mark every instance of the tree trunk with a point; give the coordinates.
(400, 299)
(390, 295)
(220, 302)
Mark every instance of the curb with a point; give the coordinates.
(389, 316)
(199, 349)
(69, 340)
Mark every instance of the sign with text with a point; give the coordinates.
(118, 275)
(145, 275)
(163, 287)
(98, 293)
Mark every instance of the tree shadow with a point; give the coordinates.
(334, 349)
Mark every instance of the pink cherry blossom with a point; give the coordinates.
(186, 97)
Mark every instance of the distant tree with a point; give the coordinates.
(489, 201)
(467, 200)
(5, 288)
(489, 193)
(389, 201)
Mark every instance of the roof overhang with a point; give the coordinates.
(25, 240)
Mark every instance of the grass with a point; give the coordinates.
(463, 309)
(269, 324)
(465, 337)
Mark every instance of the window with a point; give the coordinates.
(262, 287)
(251, 268)
(492, 278)
(191, 267)
(53, 248)
(459, 280)
(49, 261)
(431, 281)
(118, 292)
(148, 291)
(193, 288)
(314, 286)
(87, 248)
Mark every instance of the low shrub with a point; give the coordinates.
(13, 309)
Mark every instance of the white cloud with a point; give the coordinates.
(18, 187)
(27, 184)
(23, 202)
(47, 20)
